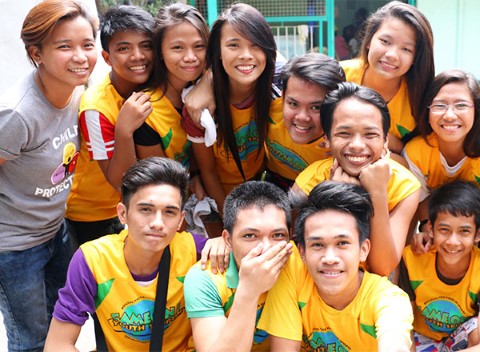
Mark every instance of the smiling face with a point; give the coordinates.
(68, 55)
(253, 226)
(391, 51)
(184, 52)
(356, 139)
(332, 255)
(452, 126)
(242, 60)
(130, 55)
(301, 110)
(454, 237)
(153, 217)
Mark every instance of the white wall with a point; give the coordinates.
(13, 58)
(455, 25)
(456, 30)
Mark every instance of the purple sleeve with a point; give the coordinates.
(199, 244)
(77, 299)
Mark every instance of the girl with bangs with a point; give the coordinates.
(180, 46)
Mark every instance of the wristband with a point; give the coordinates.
(423, 222)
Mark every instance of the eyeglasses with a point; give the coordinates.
(458, 108)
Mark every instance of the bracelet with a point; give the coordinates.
(423, 222)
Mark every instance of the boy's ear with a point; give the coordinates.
(327, 142)
(364, 250)
(301, 250)
(181, 220)
(386, 151)
(476, 239)
(227, 238)
(122, 213)
(106, 57)
(430, 229)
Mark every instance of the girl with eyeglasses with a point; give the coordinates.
(448, 147)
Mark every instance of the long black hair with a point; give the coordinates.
(250, 24)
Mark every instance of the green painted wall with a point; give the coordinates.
(456, 31)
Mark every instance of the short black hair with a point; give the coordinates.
(348, 90)
(319, 69)
(343, 197)
(457, 198)
(154, 171)
(122, 19)
(253, 194)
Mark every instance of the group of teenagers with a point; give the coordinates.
(346, 192)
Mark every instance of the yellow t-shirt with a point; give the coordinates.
(284, 157)
(294, 310)
(402, 182)
(125, 308)
(432, 170)
(402, 121)
(441, 308)
(92, 198)
(165, 120)
(250, 152)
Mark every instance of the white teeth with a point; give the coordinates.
(451, 251)
(77, 69)
(388, 65)
(331, 273)
(245, 67)
(357, 159)
(451, 127)
(302, 128)
(137, 68)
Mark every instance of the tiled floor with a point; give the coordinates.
(85, 343)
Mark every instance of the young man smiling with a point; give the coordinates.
(295, 140)
(325, 299)
(116, 276)
(110, 112)
(356, 122)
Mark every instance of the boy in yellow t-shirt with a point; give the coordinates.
(325, 300)
(356, 122)
(110, 111)
(295, 137)
(116, 276)
(443, 283)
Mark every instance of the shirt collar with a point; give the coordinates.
(232, 273)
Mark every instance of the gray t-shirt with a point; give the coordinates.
(40, 144)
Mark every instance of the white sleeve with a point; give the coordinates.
(424, 191)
